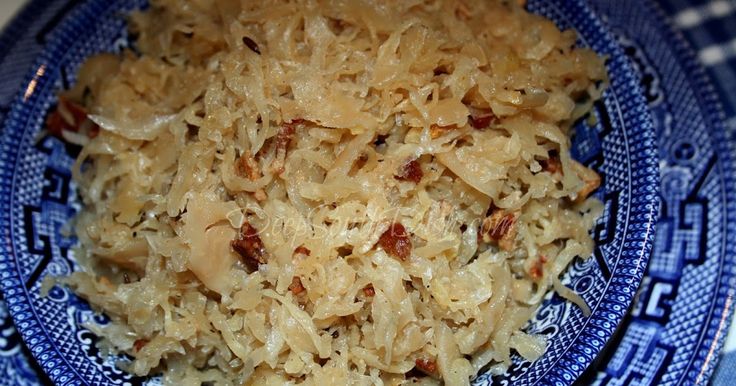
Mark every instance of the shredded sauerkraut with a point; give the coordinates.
(329, 192)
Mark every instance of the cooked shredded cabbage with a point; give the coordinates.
(330, 192)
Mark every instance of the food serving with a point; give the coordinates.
(329, 192)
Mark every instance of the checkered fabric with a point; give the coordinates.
(710, 26)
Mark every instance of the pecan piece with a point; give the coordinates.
(283, 139)
(369, 291)
(552, 165)
(410, 171)
(70, 116)
(139, 344)
(302, 250)
(246, 166)
(500, 227)
(296, 287)
(427, 366)
(536, 271)
(395, 241)
(250, 247)
(482, 119)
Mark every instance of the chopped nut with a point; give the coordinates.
(552, 165)
(536, 271)
(94, 131)
(296, 286)
(427, 366)
(302, 250)
(497, 225)
(246, 166)
(482, 119)
(283, 139)
(369, 291)
(250, 247)
(70, 116)
(395, 241)
(410, 171)
(139, 344)
(500, 227)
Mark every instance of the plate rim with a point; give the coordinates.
(16, 296)
(570, 370)
(701, 84)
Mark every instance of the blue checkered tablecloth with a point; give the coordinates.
(710, 26)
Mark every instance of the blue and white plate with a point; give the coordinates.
(674, 332)
(37, 198)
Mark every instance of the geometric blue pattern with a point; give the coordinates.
(676, 327)
(37, 198)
